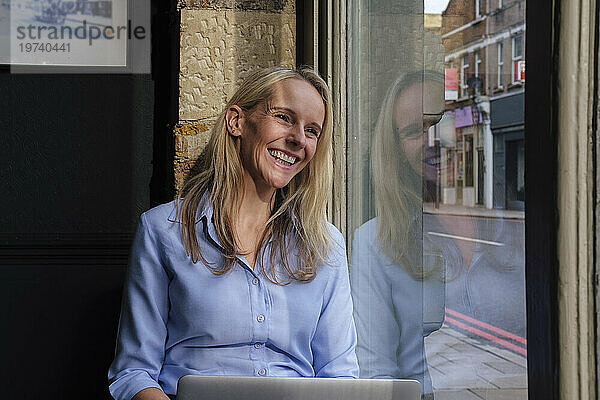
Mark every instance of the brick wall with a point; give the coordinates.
(222, 41)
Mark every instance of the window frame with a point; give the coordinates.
(477, 69)
(464, 68)
(499, 64)
(516, 57)
(541, 221)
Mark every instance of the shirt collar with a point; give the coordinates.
(205, 209)
(204, 221)
(204, 218)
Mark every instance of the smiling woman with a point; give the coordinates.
(259, 200)
(277, 140)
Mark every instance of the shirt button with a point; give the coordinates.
(257, 345)
(260, 318)
(255, 281)
(262, 371)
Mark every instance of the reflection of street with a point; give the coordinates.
(482, 330)
(486, 267)
(480, 353)
(464, 368)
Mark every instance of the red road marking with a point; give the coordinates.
(489, 327)
(488, 336)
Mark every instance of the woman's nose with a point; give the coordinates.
(297, 137)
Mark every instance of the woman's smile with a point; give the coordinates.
(282, 158)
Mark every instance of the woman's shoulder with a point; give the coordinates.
(162, 222)
(337, 239)
(366, 234)
(336, 253)
(160, 216)
(333, 271)
(369, 254)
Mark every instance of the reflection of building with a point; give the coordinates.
(484, 44)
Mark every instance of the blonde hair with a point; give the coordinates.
(397, 186)
(298, 215)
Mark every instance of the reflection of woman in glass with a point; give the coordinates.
(242, 275)
(396, 285)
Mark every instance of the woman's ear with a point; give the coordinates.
(234, 120)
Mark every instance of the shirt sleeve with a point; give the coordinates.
(142, 330)
(378, 331)
(334, 342)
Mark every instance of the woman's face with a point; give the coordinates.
(411, 127)
(278, 141)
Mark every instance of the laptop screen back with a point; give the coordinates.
(195, 387)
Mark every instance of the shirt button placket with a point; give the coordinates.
(257, 351)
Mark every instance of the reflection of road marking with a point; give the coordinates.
(489, 327)
(465, 238)
(488, 336)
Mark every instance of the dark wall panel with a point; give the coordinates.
(75, 165)
(76, 154)
(60, 332)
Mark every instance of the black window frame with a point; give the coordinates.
(541, 217)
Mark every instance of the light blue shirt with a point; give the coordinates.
(178, 318)
(393, 310)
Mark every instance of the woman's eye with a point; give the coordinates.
(414, 134)
(282, 117)
(409, 132)
(313, 132)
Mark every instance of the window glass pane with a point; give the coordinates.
(518, 46)
(464, 74)
(517, 43)
(500, 64)
(436, 195)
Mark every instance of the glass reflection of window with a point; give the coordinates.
(451, 168)
(500, 64)
(463, 76)
(517, 51)
(477, 68)
(521, 171)
(468, 160)
(482, 254)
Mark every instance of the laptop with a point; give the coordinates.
(197, 387)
